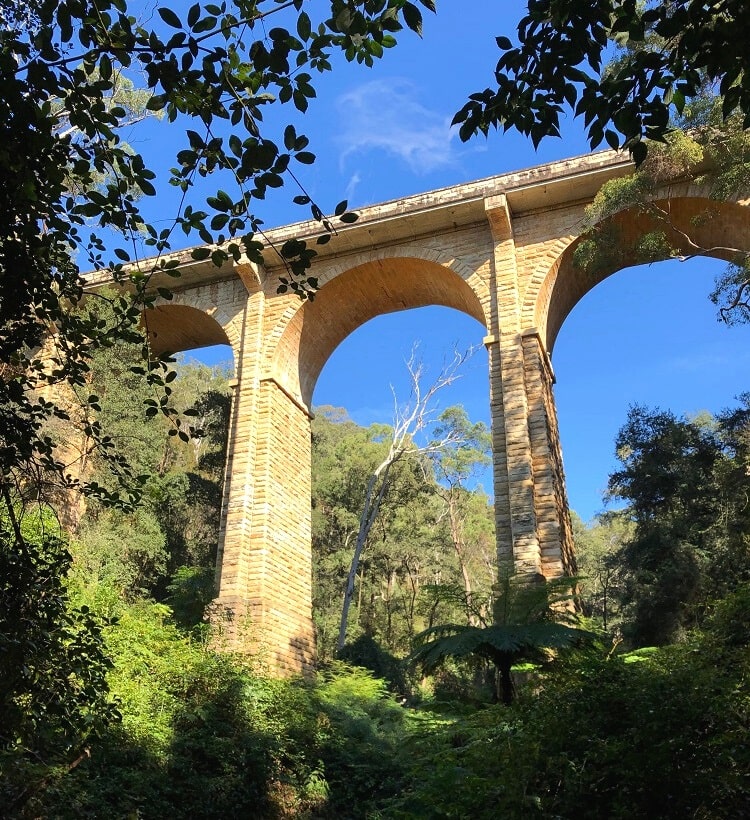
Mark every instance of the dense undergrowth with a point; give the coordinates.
(205, 735)
(117, 699)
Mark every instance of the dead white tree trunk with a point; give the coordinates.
(409, 419)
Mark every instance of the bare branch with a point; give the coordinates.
(408, 420)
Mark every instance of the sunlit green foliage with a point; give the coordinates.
(410, 551)
(54, 693)
(599, 574)
(602, 737)
(713, 152)
(203, 735)
(685, 485)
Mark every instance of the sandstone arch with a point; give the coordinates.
(178, 328)
(716, 226)
(498, 249)
(344, 303)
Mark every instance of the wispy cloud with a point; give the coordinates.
(351, 186)
(710, 361)
(387, 116)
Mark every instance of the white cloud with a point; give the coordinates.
(386, 116)
(351, 186)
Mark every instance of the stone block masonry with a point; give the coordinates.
(499, 250)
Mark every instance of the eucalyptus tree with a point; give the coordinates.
(461, 449)
(410, 419)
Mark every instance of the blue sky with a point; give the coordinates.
(646, 335)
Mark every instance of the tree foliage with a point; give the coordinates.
(71, 186)
(659, 733)
(635, 72)
(599, 572)
(466, 448)
(685, 486)
(54, 692)
(408, 576)
(72, 193)
(671, 50)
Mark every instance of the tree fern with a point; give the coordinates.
(528, 619)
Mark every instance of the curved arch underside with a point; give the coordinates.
(715, 227)
(176, 328)
(353, 298)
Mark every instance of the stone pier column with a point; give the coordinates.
(264, 575)
(280, 558)
(515, 512)
(233, 570)
(531, 512)
(554, 528)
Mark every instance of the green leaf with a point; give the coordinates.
(290, 138)
(193, 14)
(292, 248)
(169, 17)
(206, 24)
(413, 18)
(304, 26)
(105, 67)
(235, 145)
(612, 139)
(157, 102)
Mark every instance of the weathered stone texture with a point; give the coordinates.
(499, 250)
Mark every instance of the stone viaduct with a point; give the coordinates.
(500, 250)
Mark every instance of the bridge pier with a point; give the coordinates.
(265, 566)
(532, 520)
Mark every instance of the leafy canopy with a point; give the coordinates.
(71, 187)
(673, 49)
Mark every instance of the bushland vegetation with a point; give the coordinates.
(127, 706)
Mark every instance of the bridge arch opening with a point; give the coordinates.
(175, 328)
(411, 547)
(205, 381)
(640, 309)
(696, 226)
(354, 297)
(646, 335)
